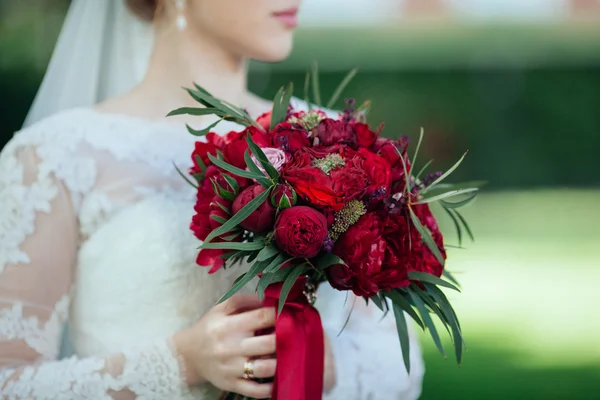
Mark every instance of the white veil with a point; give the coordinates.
(103, 50)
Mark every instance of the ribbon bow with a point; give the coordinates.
(300, 346)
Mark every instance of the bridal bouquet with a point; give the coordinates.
(309, 198)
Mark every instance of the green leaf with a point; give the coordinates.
(447, 195)
(200, 163)
(427, 320)
(219, 219)
(232, 183)
(196, 111)
(262, 158)
(341, 87)
(273, 277)
(427, 164)
(464, 222)
(232, 236)
(456, 225)
(188, 180)
(406, 184)
(205, 131)
(223, 193)
(280, 106)
(306, 91)
(256, 269)
(284, 202)
(233, 245)
(425, 277)
(444, 175)
(414, 160)
(327, 260)
(402, 328)
(297, 271)
(450, 277)
(263, 180)
(241, 215)
(426, 236)
(450, 314)
(234, 170)
(401, 302)
(315, 83)
(267, 253)
(347, 318)
(461, 203)
(277, 263)
(445, 187)
(378, 302)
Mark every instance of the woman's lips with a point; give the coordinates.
(288, 17)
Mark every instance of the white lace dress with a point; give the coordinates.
(94, 231)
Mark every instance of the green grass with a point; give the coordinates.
(529, 301)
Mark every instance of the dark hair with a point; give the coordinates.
(144, 9)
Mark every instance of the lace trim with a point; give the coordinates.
(14, 325)
(150, 373)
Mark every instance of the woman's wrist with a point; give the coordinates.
(184, 350)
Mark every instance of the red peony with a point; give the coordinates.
(312, 184)
(377, 169)
(364, 135)
(236, 145)
(300, 231)
(351, 181)
(364, 249)
(290, 137)
(330, 132)
(393, 151)
(261, 220)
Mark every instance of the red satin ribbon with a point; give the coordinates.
(300, 346)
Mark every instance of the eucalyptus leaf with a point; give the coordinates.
(402, 328)
(425, 277)
(240, 216)
(465, 224)
(262, 158)
(315, 84)
(399, 300)
(456, 225)
(447, 195)
(233, 245)
(256, 269)
(444, 175)
(289, 282)
(428, 321)
(426, 236)
(267, 253)
(188, 180)
(234, 170)
(340, 89)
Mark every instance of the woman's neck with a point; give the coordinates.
(180, 60)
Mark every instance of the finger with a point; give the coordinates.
(264, 367)
(253, 389)
(239, 303)
(254, 320)
(259, 345)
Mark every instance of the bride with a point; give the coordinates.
(94, 221)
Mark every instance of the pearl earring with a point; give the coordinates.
(181, 21)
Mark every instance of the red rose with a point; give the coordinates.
(364, 135)
(261, 220)
(364, 249)
(312, 184)
(330, 132)
(351, 181)
(236, 145)
(290, 137)
(300, 231)
(264, 120)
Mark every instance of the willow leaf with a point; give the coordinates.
(262, 158)
(402, 328)
(234, 170)
(289, 282)
(426, 236)
(447, 195)
(428, 321)
(456, 225)
(399, 300)
(425, 277)
(340, 89)
(256, 269)
(444, 175)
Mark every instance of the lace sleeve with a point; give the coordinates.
(38, 247)
(368, 358)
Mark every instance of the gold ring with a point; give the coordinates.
(248, 370)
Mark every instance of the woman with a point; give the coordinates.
(94, 221)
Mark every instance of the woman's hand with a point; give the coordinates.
(216, 348)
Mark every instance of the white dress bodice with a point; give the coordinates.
(94, 231)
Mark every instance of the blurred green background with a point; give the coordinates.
(524, 99)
